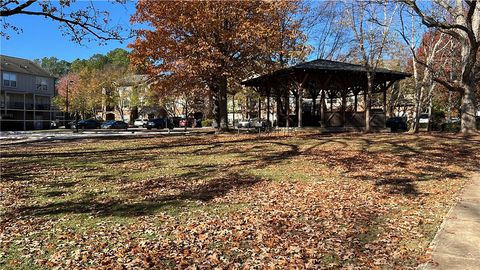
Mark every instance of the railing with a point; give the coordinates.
(28, 106)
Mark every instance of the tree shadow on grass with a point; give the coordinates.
(144, 198)
(400, 166)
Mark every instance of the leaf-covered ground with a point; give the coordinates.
(341, 201)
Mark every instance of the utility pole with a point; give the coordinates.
(66, 101)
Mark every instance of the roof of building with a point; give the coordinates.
(335, 65)
(327, 66)
(20, 65)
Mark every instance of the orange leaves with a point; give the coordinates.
(212, 38)
(353, 212)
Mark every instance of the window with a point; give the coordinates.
(9, 79)
(41, 83)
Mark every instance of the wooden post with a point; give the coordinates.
(385, 100)
(268, 108)
(287, 101)
(278, 107)
(344, 107)
(248, 107)
(355, 105)
(233, 109)
(365, 100)
(300, 109)
(331, 103)
(259, 108)
(323, 109)
(385, 106)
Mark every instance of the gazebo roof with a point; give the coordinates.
(322, 67)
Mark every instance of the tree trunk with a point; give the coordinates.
(133, 114)
(219, 88)
(418, 109)
(468, 125)
(468, 101)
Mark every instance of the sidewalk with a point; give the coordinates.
(457, 243)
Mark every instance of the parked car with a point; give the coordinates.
(424, 118)
(159, 123)
(253, 123)
(453, 120)
(184, 122)
(86, 124)
(396, 124)
(55, 124)
(140, 122)
(112, 124)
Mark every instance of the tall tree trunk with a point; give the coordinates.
(220, 102)
(468, 101)
(430, 106)
(418, 109)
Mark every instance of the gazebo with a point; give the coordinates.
(338, 85)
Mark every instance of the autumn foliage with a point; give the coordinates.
(349, 201)
(213, 43)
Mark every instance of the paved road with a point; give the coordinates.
(59, 134)
(457, 244)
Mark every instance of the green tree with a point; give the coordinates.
(53, 65)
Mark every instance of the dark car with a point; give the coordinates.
(159, 123)
(112, 124)
(396, 124)
(87, 124)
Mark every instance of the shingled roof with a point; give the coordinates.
(20, 65)
(327, 66)
(322, 64)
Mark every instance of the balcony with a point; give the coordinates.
(28, 106)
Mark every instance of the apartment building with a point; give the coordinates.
(26, 93)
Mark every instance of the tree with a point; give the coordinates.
(371, 33)
(56, 67)
(461, 21)
(209, 42)
(327, 30)
(87, 22)
(425, 56)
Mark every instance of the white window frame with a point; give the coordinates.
(8, 78)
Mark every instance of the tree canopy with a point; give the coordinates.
(215, 43)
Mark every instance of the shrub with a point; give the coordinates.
(207, 123)
(451, 127)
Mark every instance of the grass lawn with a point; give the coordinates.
(230, 201)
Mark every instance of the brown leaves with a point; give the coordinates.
(325, 203)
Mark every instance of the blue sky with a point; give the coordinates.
(42, 38)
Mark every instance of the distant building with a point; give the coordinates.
(125, 101)
(26, 93)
